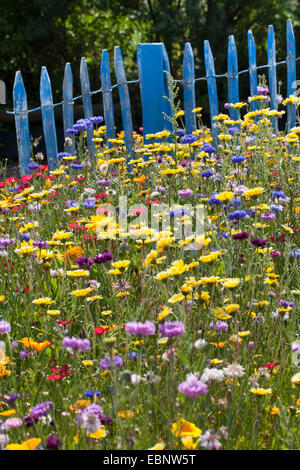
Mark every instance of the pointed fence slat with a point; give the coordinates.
(166, 105)
(252, 69)
(68, 104)
(233, 80)
(124, 99)
(211, 86)
(87, 103)
(22, 124)
(272, 73)
(108, 107)
(189, 89)
(48, 119)
(291, 72)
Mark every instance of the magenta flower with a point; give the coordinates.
(139, 328)
(192, 387)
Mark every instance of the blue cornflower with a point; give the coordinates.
(278, 194)
(233, 130)
(237, 214)
(96, 119)
(77, 166)
(188, 139)
(275, 208)
(207, 148)
(33, 166)
(89, 203)
(90, 393)
(180, 132)
(207, 174)
(63, 154)
(238, 158)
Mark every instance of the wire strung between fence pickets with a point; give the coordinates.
(91, 93)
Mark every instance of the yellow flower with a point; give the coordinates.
(82, 292)
(189, 443)
(176, 298)
(158, 446)
(78, 273)
(296, 379)
(225, 196)
(43, 301)
(30, 444)
(53, 312)
(87, 362)
(8, 413)
(121, 264)
(275, 411)
(185, 429)
(231, 308)
(99, 434)
(230, 283)
(261, 391)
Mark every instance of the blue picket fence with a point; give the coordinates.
(152, 62)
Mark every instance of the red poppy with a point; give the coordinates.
(61, 373)
(2, 184)
(26, 178)
(64, 323)
(269, 365)
(43, 167)
(99, 330)
(12, 179)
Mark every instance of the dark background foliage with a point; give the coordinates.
(38, 32)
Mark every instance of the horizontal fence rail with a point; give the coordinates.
(152, 63)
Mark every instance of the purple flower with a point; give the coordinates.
(140, 329)
(74, 344)
(84, 262)
(24, 354)
(192, 387)
(4, 327)
(52, 442)
(259, 242)
(170, 329)
(185, 193)
(233, 130)
(240, 236)
(104, 183)
(40, 243)
(268, 216)
(41, 409)
(104, 258)
(105, 363)
(76, 166)
(237, 215)
(93, 409)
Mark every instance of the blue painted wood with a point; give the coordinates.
(272, 73)
(124, 99)
(22, 124)
(211, 86)
(150, 68)
(252, 69)
(68, 105)
(167, 108)
(108, 107)
(233, 80)
(189, 88)
(48, 119)
(291, 72)
(87, 103)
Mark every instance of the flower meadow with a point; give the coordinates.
(118, 336)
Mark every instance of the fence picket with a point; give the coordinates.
(68, 105)
(252, 69)
(233, 80)
(291, 72)
(48, 119)
(22, 124)
(189, 89)
(87, 103)
(166, 105)
(211, 86)
(107, 97)
(272, 73)
(124, 99)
